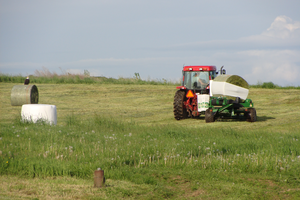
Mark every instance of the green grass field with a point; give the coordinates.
(130, 132)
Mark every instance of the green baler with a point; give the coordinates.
(228, 99)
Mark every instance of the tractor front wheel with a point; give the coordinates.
(251, 116)
(180, 111)
(209, 116)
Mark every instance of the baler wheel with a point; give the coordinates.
(209, 116)
(251, 117)
(180, 111)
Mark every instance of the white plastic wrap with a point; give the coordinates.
(203, 101)
(36, 112)
(227, 89)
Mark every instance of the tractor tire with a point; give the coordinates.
(251, 116)
(180, 111)
(209, 116)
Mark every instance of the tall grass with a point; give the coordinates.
(42, 78)
(45, 76)
(78, 79)
(126, 150)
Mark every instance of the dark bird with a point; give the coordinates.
(26, 81)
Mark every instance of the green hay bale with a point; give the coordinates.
(233, 79)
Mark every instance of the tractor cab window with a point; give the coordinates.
(212, 75)
(196, 80)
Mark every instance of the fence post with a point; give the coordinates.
(99, 178)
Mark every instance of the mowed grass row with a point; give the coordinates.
(79, 148)
(129, 131)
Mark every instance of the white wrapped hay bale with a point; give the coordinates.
(39, 112)
(229, 86)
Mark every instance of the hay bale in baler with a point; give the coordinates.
(229, 86)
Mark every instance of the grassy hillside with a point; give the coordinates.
(130, 132)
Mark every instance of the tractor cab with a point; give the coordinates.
(197, 78)
(194, 88)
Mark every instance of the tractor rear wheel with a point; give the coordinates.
(180, 111)
(209, 116)
(251, 116)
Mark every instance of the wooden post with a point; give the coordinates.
(99, 178)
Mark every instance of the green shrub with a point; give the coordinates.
(269, 85)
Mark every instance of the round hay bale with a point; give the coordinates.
(39, 112)
(233, 79)
(24, 94)
(230, 86)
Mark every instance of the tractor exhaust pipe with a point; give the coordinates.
(222, 71)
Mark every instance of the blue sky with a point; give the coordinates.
(258, 40)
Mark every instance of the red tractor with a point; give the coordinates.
(195, 80)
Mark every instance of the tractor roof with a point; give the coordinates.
(200, 68)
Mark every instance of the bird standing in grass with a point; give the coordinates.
(26, 81)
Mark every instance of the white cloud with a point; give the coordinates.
(273, 55)
(278, 66)
(283, 33)
(283, 27)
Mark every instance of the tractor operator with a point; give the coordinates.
(202, 78)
